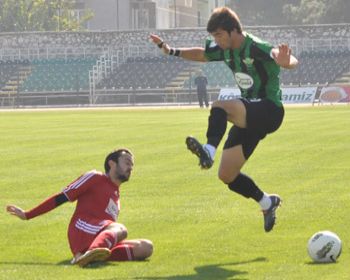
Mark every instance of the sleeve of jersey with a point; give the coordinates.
(80, 185)
(46, 206)
(212, 51)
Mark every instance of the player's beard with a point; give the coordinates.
(123, 177)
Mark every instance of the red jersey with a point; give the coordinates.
(97, 205)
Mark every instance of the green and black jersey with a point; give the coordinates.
(255, 71)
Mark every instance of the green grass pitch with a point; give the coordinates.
(200, 230)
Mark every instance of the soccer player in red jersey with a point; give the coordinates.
(93, 233)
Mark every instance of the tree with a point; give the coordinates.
(307, 12)
(40, 15)
(337, 11)
(281, 12)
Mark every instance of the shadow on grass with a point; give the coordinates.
(316, 263)
(64, 262)
(210, 272)
(206, 272)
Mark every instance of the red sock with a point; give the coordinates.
(105, 239)
(122, 252)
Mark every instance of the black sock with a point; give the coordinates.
(245, 186)
(217, 124)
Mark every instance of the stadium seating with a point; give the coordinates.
(11, 74)
(318, 67)
(57, 64)
(58, 75)
(217, 73)
(7, 69)
(177, 37)
(143, 73)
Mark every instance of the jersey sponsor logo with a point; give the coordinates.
(112, 209)
(243, 80)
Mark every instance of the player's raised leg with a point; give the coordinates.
(100, 248)
(230, 173)
(221, 112)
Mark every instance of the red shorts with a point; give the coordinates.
(82, 232)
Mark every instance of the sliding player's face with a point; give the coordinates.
(125, 165)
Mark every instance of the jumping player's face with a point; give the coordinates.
(124, 167)
(222, 38)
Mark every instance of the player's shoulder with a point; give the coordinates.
(94, 174)
(259, 48)
(85, 180)
(255, 39)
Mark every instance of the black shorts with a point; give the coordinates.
(263, 117)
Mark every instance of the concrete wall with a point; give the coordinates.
(109, 14)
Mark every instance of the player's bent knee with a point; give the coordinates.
(123, 233)
(217, 104)
(143, 249)
(227, 177)
(120, 230)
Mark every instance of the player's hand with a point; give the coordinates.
(16, 211)
(282, 55)
(160, 43)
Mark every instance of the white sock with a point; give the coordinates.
(265, 202)
(211, 149)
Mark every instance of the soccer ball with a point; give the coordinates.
(324, 247)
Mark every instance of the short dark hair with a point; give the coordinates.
(224, 18)
(115, 155)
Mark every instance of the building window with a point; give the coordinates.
(140, 19)
(188, 3)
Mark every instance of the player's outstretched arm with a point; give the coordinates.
(16, 211)
(44, 207)
(194, 53)
(283, 57)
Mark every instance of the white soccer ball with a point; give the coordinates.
(324, 247)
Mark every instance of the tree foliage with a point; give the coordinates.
(40, 15)
(281, 12)
(58, 15)
(307, 12)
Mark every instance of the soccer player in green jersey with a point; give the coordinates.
(255, 65)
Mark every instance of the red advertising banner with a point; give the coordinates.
(335, 94)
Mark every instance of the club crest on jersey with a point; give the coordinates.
(243, 80)
(248, 61)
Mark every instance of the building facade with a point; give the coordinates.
(149, 14)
